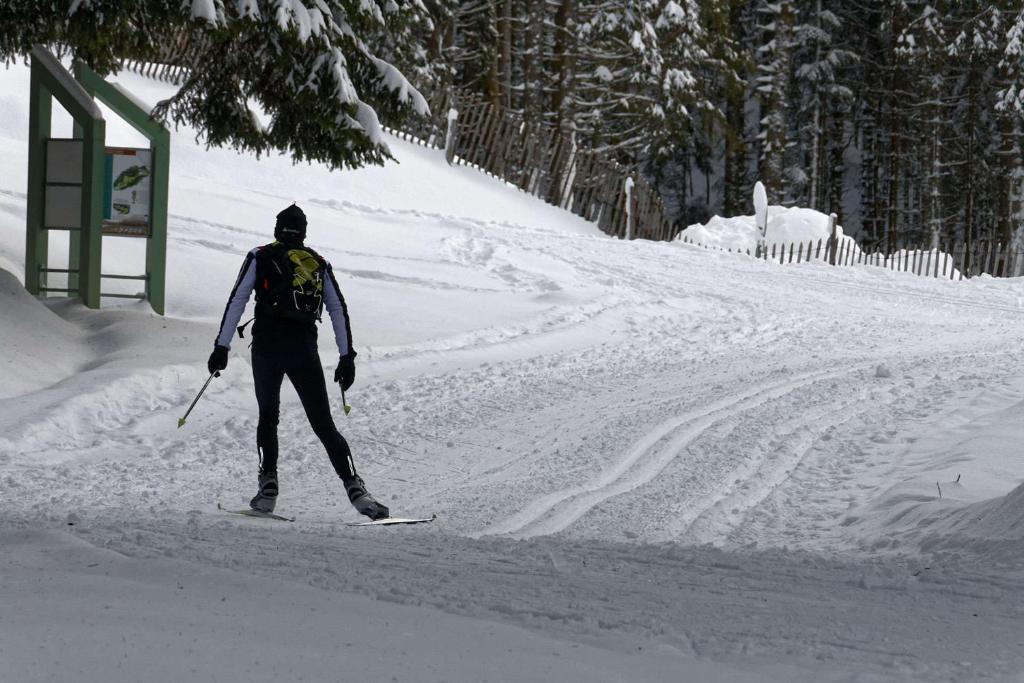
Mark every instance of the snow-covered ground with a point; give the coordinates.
(650, 462)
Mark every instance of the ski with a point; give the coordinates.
(255, 513)
(387, 521)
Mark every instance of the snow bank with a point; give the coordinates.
(785, 226)
(794, 226)
(39, 348)
(993, 529)
(997, 519)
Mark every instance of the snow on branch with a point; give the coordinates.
(397, 83)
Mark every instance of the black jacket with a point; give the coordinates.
(270, 330)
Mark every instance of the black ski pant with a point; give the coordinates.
(301, 363)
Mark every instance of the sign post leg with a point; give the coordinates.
(156, 245)
(91, 247)
(36, 242)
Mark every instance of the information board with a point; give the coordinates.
(126, 193)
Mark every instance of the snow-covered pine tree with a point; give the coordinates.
(922, 50)
(823, 105)
(774, 62)
(635, 72)
(562, 64)
(730, 23)
(474, 53)
(412, 39)
(310, 65)
(1009, 111)
(977, 37)
(1011, 98)
(881, 118)
(617, 53)
(688, 117)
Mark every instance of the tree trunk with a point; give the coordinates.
(816, 126)
(505, 52)
(774, 119)
(736, 191)
(562, 62)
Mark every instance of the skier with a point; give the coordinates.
(293, 284)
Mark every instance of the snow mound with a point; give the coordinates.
(915, 517)
(993, 529)
(785, 226)
(799, 226)
(39, 347)
(1000, 518)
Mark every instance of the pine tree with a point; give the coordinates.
(823, 103)
(921, 49)
(774, 59)
(732, 21)
(1009, 111)
(474, 57)
(562, 66)
(311, 65)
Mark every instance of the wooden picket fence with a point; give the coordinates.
(545, 162)
(164, 61)
(952, 260)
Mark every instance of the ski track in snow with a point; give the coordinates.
(644, 461)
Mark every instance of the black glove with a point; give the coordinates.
(346, 372)
(218, 359)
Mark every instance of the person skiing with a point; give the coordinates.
(293, 285)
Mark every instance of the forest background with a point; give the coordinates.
(902, 117)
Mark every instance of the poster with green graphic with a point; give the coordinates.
(126, 191)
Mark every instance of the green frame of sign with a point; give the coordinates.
(49, 79)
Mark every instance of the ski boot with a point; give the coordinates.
(266, 498)
(362, 501)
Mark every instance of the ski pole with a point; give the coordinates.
(344, 404)
(181, 421)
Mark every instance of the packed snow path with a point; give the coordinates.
(664, 410)
(667, 453)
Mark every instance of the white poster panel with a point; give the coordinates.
(129, 179)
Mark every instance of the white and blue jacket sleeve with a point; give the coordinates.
(334, 302)
(240, 294)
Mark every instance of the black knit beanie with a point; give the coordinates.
(291, 225)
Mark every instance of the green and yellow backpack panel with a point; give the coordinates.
(292, 284)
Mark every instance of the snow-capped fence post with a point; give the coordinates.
(627, 188)
(450, 135)
(761, 217)
(833, 240)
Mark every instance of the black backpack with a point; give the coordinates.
(291, 284)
